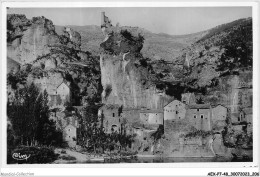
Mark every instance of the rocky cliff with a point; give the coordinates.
(48, 59)
(126, 77)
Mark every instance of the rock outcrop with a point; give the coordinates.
(29, 39)
(124, 79)
(45, 58)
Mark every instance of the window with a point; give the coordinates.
(198, 109)
(195, 116)
(176, 112)
(201, 116)
(113, 114)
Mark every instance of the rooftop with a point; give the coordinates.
(130, 109)
(110, 106)
(151, 111)
(199, 106)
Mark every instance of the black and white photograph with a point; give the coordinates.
(129, 85)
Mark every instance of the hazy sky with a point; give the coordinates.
(171, 20)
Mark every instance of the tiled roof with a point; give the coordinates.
(199, 106)
(172, 101)
(152, 111)
(130, 109)
(110, 106)
(65, 82)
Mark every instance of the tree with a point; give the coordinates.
(29, 115)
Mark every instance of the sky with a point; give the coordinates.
(170, 20)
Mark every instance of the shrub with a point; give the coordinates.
(198, 133)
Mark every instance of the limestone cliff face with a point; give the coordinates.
(47, 59)
(27, 42)
(125, 81)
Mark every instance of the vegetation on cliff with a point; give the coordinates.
(63, 56)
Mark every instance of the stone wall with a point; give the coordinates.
(174, 110)
(151, 117)
(112, 118)
(69, 135)
(200, 118)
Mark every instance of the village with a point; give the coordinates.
(142, 122)
(120, 103)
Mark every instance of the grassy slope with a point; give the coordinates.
(156, 46)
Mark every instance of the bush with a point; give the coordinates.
(37, 155)
(198, 133)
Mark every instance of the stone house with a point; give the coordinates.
(235, 118)
(112, 119)
(246, 114)
(188, 98)
(67, 122)
(151, 116)
(219, 113)
(63, 90)
(174, 110)
(70, 134)
(199, 116)
(59, 95)
(70, 130)
(131, 114)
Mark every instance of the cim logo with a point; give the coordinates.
(18, 156)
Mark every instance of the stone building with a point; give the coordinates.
(112, 119)
(151, 116)
(246, 115)
(67, 122)
(174, 110)
(219, 113)
(63, 90)
(70, 134)
(70, 130)
(235, 118)
(60, 95)
(199, 116)
(188, 98)
(131, 114)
